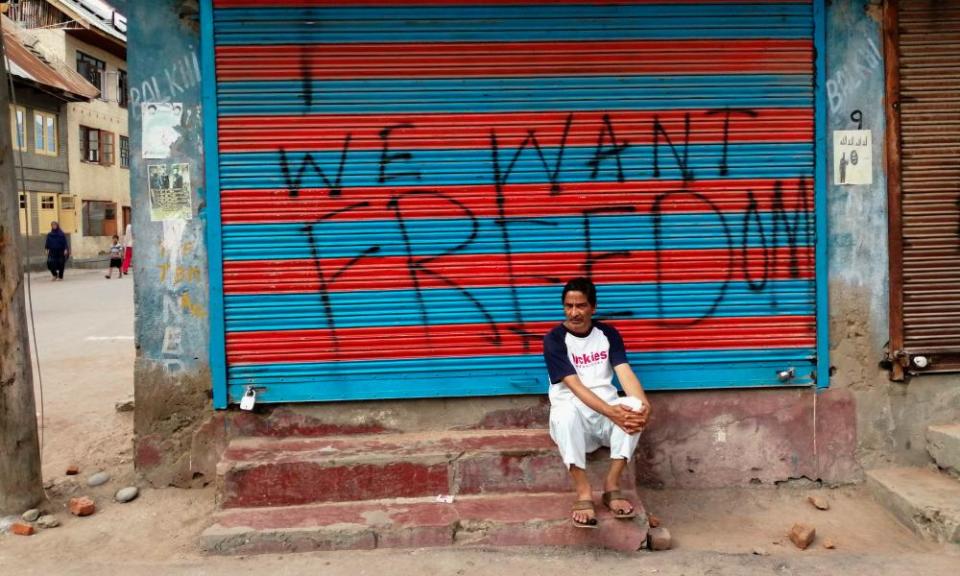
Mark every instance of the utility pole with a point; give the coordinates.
(21, 483)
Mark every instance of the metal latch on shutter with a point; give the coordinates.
(786, 375)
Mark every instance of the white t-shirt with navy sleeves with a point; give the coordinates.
(591, 357)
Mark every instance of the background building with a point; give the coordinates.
(90, 37)
(43, 88)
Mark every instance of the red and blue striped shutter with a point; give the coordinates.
(404, 187)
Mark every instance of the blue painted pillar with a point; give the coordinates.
(172, 376)
(855, 91)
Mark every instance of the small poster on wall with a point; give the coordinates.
(852, 157)
(171, 197)
(161, 123)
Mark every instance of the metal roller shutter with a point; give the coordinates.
(927, 271)
(401, 189)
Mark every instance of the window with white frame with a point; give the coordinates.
(18, 124)
(89, 145)
(106, 148)
(45, 133)
(124, 152)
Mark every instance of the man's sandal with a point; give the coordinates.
(584, 505)
(622, 513)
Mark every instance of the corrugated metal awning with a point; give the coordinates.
(24, 63)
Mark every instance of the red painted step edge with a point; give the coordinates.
(492, 520)
(288, 472)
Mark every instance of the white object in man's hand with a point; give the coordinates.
(631, 403)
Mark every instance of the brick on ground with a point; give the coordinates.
(802, 535)
(82, 506)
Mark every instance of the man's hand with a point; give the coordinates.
(629, 421)
(631, 386)
(644, 410)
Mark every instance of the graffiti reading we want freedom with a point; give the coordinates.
(765, 237)
(404, 189)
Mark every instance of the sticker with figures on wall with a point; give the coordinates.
(171, 196)
(852, 157)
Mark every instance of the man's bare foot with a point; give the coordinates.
(583, 514)
(620, 506)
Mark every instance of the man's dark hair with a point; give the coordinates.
(582, 285)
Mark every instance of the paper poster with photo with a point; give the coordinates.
(852, 157)
(171, 196)
(161, 128)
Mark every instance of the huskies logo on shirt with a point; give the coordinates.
(588, 358)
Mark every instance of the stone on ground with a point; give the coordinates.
(802, 535)
(73, 470)
(819, 502)
(828, 544)
(659, 539)
(98, 479)
(30, 515)
(48, 521)
(125, 406)
(127, 494)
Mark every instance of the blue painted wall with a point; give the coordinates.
(858, 214)
(170, 258)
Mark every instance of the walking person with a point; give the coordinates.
(127, 250)
(58, 250)
(116, 258)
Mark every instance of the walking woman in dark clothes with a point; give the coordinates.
(58, 250)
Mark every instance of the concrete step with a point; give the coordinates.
(925, 500)
(943, 444)
(486, 520)
(285, 421)
(294, 471)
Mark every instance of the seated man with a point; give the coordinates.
(585, 410)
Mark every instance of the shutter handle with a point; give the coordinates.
(786, 375)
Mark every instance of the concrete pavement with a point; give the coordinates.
(84, 327)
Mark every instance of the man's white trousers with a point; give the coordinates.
(578, 431)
